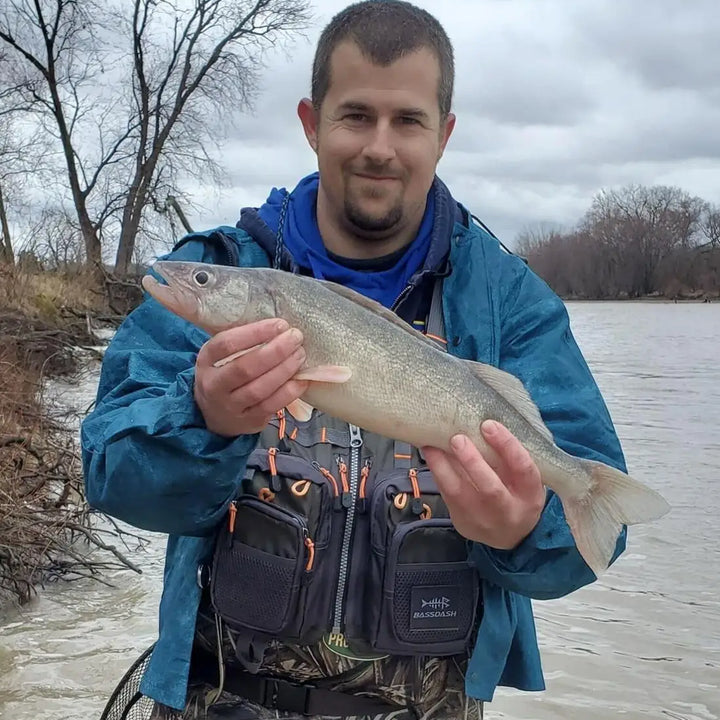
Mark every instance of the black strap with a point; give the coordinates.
(403, 455)
(291, 697)
(435, 323)
(284, 695)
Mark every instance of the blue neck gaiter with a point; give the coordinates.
(302, 239)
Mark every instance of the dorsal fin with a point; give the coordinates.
(378, 309)
(513, 391)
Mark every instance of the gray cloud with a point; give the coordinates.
(555, 100)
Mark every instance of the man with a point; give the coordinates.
(175, 439)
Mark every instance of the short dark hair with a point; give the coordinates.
(385, 30)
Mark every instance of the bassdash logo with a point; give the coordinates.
(439, 607)
(435, 607)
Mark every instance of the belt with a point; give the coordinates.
(278, 694)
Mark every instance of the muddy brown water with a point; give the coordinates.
(643, 642)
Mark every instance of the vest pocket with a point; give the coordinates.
(261, 547)
(428, 602)
(421, 593)
(276, 555)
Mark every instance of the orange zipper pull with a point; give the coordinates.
(328, 476)
(232, 513)
(364, 474)
(346, 499)
(275, 484)
(281, 424)
(416, 504)
(310, 545)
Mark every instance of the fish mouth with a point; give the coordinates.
(164, 294)
(172, 296)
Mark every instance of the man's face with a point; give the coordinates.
(378, 137)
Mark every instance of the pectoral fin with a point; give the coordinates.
(326, 373)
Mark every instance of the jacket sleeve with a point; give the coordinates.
(148, 458)
(537, 346)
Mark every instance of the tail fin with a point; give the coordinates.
(614, 500)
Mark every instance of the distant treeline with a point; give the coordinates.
(634, 242)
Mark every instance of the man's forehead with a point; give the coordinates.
(355, 78)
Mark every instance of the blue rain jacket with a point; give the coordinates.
(150, 461)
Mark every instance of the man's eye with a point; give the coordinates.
(356, 117)
(406, 120)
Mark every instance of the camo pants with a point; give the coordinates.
(431, 688)
(230, 707)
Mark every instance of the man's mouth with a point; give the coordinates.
(377, 178)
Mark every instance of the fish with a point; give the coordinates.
(368, 367)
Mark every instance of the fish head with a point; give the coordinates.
(213, 297)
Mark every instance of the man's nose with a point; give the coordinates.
(380, 147)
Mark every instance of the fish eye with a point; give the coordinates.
(201, 277)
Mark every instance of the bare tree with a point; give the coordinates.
(15, 151)
(639, 228)
(631, 242)
(711, 226)
(136, 96)
(55, 238)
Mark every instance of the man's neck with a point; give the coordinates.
(341, 241)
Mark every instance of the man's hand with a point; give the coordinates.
(498, 506)
(241, 396)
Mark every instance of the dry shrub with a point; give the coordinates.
(46, 528)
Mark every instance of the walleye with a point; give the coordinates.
(371, 369)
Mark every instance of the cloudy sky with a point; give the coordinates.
(555, 99)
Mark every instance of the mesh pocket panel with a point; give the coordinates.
(242, 580)
(464, 606)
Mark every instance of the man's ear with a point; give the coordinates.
(309, 119)
(446, 130)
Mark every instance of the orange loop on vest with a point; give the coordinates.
(301, 487)
(266, 494)
(426, 513)
(400, 501)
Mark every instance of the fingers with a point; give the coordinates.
(446, 476)
(244, 337)
(285, 394)
(261, 390)
(280, 356)
(497, 506)
(478, 470)
(517, 463)
(239, 396)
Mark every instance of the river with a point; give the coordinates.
(642, 642)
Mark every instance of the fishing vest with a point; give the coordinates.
(340, 536)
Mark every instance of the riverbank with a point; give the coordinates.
(701, 297)
(48, 325)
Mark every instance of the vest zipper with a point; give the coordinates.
(356, 442)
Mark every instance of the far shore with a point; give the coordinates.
(649, 299)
